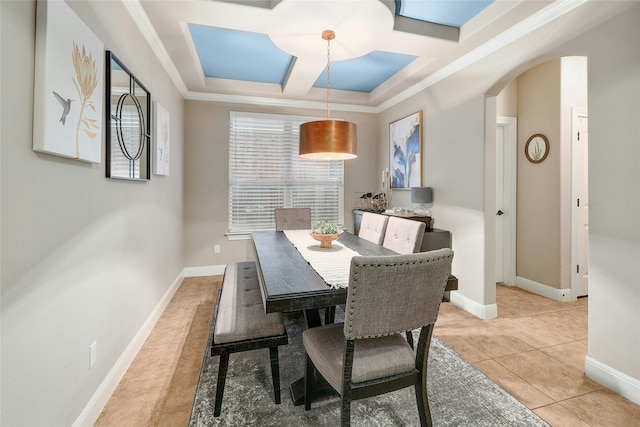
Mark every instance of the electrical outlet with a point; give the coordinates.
(93, 353)
(216, 249)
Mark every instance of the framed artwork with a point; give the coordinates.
(405, 152)
(537, 148)
(162, 149)
(68, 86)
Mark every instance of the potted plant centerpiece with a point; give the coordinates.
(325, 232)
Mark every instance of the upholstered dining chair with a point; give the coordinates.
(403, 235)
(293, 219)
(372, 227)
(367, 355)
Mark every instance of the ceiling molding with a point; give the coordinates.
(278, 102)
(140, 17)
(528, 25)
(551, 12)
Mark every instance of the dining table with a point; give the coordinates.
(289, 283)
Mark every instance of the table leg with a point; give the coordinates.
(312, 319)
(329, 314)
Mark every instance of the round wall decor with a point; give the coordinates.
(537, 148)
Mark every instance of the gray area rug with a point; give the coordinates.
(459, 394)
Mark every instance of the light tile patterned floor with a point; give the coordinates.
(535, 350)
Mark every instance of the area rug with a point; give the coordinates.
(459, 394)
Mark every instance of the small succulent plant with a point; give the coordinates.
(325, 227)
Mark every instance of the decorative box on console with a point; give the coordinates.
(370, 201)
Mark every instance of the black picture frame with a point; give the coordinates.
(127, 124)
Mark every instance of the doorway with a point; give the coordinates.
(506, 180)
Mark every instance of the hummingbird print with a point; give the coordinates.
(66, 106)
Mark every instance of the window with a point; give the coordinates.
(265, 173)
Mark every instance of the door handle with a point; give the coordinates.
(499, 213)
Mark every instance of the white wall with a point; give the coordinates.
(83, 258)
(614, 201)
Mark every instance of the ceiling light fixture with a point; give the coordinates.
(328, 139)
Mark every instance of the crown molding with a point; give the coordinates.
(140, 17)
(278, 102)
(528, 25)
(555, 10)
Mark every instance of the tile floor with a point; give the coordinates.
(535, 350)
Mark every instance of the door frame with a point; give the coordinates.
(578, 235)
(509, 127)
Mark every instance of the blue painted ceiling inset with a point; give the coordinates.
(454, 13)
(365, 73)
(239, 55)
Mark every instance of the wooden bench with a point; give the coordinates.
(241, 324)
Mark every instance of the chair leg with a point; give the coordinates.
(309, 376)
(410, 338)
(275, 373)
(222, 376)
(345, 413)
(422, 400)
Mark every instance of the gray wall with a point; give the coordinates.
(83, 257)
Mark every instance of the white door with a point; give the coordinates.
(580, 211)
(506, 173)
(500, 204)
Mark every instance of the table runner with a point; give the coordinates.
(332, 264)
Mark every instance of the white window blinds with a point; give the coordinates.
(265, 173)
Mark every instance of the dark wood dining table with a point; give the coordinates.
(288, 283)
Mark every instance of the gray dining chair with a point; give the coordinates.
(367, 355)
(293, 219)
(403, 235)
(372, 227)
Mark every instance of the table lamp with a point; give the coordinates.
(422, 195)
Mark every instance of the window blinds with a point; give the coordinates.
(265, 173)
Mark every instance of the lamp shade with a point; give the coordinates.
(328, 140)
(421, 195)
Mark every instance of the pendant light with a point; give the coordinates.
(328, 139)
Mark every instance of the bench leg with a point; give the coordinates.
(222, 376)
(275, 373)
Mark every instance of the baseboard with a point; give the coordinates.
(98, 401)
(485, 312)
(562, 295)
(207, 270)
(626, 386)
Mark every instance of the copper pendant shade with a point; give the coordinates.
(328, 139)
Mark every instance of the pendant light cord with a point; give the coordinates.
(328, 77)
